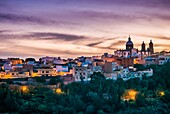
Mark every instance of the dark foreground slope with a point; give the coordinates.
(98, 96)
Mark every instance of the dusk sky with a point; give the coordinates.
(71, 28)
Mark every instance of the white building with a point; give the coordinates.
(150, 61)
(122, 53)
(46, 72)
(62, 68)
(148, 72)
(7, 66)
(162, 59)
(97, 69)
(89, 60)
(125, 74)
(58, 61)
(113, 76)
(82, 73)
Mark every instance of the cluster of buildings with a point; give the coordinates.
(113, 66)
(144, 56)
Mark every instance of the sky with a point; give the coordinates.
(71, 28)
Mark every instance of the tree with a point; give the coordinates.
(166, 97)
(120, 86)
(100, 112)
(140, 100)
(74, 88)
(152, 84)
(53, 81)
(7, 100)
(90, 109)
(144, 83)
(43, 108)
(97, 76)
(40, 79)
(140, 67)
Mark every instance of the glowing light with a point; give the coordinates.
(135, 61)
(24, 89)
(130, 94)
(161, 93)
(58, 91)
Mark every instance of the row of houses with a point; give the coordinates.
(111, 66)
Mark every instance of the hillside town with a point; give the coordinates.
(121, 64)
(84, 57)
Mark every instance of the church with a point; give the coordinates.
(130, 51)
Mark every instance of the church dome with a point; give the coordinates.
(129, 42)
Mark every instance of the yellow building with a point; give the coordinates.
(34, 74)
(10, 74)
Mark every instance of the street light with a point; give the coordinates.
(161, 93)
(58, 91)
(130, 94)
(24, 89)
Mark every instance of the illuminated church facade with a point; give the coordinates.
(130, 51)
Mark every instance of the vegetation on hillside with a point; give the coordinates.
(99, 96)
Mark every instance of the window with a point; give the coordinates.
(42, 71)
(13, 73)
(47, 71)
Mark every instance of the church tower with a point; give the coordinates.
(143, 49)
(129, 44)
(151, 47)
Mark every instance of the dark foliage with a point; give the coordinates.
(99, 96)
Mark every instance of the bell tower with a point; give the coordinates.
(151, 47)
(143, 49)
